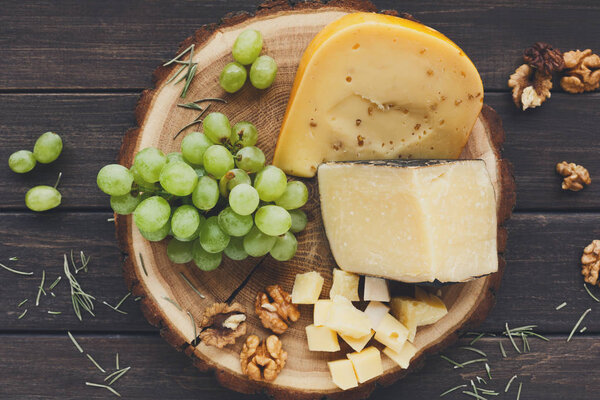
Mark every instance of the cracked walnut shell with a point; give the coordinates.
(544, 58)
(582, 71)
(276, 309)
(590, 262)
(222, 324)
(262, 361)
(575, 176)
(530, 88)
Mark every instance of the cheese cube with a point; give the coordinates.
(436, 308)
(376, 289)
(391, 333)
(321, 338)
(344, 284)
(342, 374)
(376, 311)
(307, 288)
(406, 313)
(367, 364)
(403, 357)
(347, 320)
(360, 343)
(321, 312)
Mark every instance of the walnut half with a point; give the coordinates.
(590, 262)
(262, 361)
(276, 309)
(530, 88)
(582, 71)
(575, 176)
(222, 324)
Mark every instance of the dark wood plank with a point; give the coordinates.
(556, 369)
(116, 45)
(92, 127)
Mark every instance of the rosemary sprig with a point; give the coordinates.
(586, 312)
(197, 121)
(75, 342)
(509, 382)
(143, 265)
(190, 65)
(190, 284)
(95, 363)
(452, 390)
(41, 289)
(79, 298)
(103, 386)
(561, 305)
(22, 314)
(587, 289)
(14, 271)
(23, 302)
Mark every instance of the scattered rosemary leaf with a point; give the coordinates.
(172, 302)
(474, 387)
(137, 298)
(110, 219)
(75, 342)
(456, 365)
(477, 360)
(122, 300)
(473, 349)
(578, 323)
(480, 379)
(185, 278)
(95, 363)
(523, 328)
(84, 262)
(179, 71)
(487, 369)
(587, 289)
(502, 350)
(488, 392)
(178, 57)
(52, 294)
(476, 339)
(509, 334)
(117, 360)
(561, 305)
(509, 382)
(105, 387)
(79, 298)
(119, 375)
(22, 314)
(41, 288)
(452, 390)
(54, 283)
(143, 265)
(474, 395)
(537, 335)
(210, 99)
(14, 271)
(23, 302)
(583, 329)
(114, 308)
(526, 347)
(54, 312)
(13, 259)
(519, 392)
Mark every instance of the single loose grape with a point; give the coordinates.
(257, 244)
(216, 127)
(263, 72)
(247, 46)
(244, 134)
(299, 220)
(21, 161)
(235, 249)
(178, 178)
(243, 199)
(285, 247)
(47, 148)
(217, 161)
(212, 238)
(42, 198)
(115, 180)
(206, 193)
(250, 159)
(125, 204)
(185, 221)
(270, 183)
(231, 179)
(233, 76)
(273, 220)
(180, 252)
(143, 184)
(149, 163)
(193, 147)
(295, 196)
(158, 235)
(235, 224)
(152, 214)
(203, 259)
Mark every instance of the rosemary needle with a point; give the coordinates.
(41, 289)
(54, 312)
(103, 386)
(502, 350)
(583, 329)
(13, 259)
(480, 379)
(114, 308)
(519, 392)
(122, 300)
(509, 334)
(457, 365)
(119, 375)
(476, 339)
(75, 342)
(173, 302)
(509, 382)
(79, 298)
(474, 395)
(473, 349)
(185, 278)
(477, 360)
(14, 271)
(117, 360)
(561, 305)
(95, 363)
(487, 369)
(578, 323)
(452, 390)
(587, 289)
(22, 314)
(23, 302)
(54, 283)
(143, 265)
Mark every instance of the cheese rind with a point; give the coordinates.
(307, 288)
(342, 374)
(321, 338)
(347, 320)
(344, 284)
(367, 364)
(376, 289)
(373, 86)
(412, 221)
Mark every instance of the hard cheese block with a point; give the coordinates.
(411, 221)
(372, 86)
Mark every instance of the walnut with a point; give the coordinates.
(576, 176)
(544, 58)
(222, 324)
(530, 88)
(276, 309)
(582, 71)
(262, 361)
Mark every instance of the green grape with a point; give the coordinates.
(250, 159)
(185, 221)
(47, 148)
(216, 127)
(247, 46)
(244, 134)
(235, 249)
(180, 252)
(152, 214)
(263, 72)
(193, 147)
(233, 76)
(257, 244)
(231, 179)
(158, 235)
(149, 163)
(137, 178)
(125, 204)
(42, 198)
(203, 259)
(299, 220)
(178, 178)
(21, 161)
(295, 196)
(194, 236)
(212, 238)
(270, 183)
(273, 220)
(115, 180)
(217, 161)
(285, 247)
(235, 224)
(243, 199)
(175, 156)
(206, 193)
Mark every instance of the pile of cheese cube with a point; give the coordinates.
(338, 316)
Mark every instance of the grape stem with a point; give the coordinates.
(58, 180)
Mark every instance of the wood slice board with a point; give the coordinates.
(287, 31)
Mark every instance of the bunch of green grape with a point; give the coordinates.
(246, 51)
(215, 196)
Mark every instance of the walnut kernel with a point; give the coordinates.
(582, 71)
(530, 88)
(590, 262)
(575, 176)
(275, 309)
(222, 324)
(262, 361)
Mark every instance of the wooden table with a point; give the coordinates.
(77, 68)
